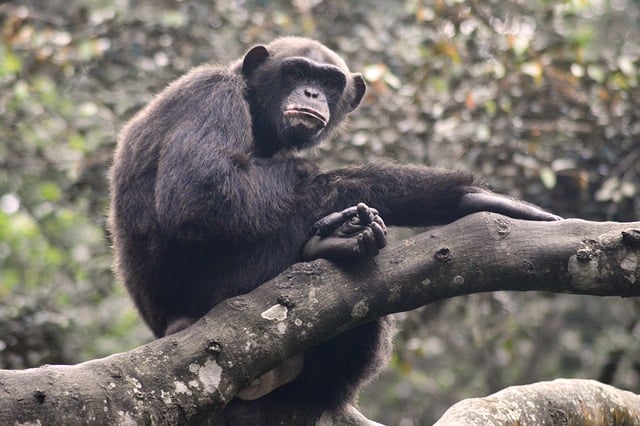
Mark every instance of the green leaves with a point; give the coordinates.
(10, 64)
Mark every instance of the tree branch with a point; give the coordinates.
(558, 402)
(192, 374)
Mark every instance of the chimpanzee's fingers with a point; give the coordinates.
(379, 235)
(349, 212)
(350, 228)
(490, 202)
(368, 243)
(364, 214)
(378, 219)
(330, 222)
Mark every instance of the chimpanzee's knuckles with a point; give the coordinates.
(380, 235)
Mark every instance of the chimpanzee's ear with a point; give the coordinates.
(359, 87)
(253, 59)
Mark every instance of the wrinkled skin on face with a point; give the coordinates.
(310, 90)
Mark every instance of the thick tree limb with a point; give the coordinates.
(192, 374)
(559, 402)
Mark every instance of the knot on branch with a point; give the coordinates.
(214, 347)
(631, 238)
(588, 250)
(444, 255)
(503, 226)
(39, 396)
(286, 301)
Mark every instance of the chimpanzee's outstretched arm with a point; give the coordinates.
(408, 195)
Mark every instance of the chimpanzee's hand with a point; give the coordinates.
(489, 202)
(357, 231)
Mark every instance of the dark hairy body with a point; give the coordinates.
(210, 200)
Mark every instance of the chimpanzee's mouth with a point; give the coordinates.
(307, 117)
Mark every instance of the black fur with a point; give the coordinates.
(209, 200)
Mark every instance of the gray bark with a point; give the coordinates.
(192, 375)
(559, 402)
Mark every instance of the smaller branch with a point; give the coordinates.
(558, 402)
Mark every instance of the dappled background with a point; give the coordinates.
(541, 99)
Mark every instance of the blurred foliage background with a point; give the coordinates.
(539, 98)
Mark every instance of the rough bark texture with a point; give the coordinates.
(559, 402)
(191, 375)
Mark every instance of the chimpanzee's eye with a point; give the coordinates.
(333, 81)
(296, 71)
(296, 74)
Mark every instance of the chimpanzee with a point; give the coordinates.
(210, 199)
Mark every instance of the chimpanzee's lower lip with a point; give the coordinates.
(306, 114)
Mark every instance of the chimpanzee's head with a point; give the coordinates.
(299, 91)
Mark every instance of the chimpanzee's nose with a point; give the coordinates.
(310, 93)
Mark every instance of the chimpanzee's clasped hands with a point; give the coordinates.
(357, 231)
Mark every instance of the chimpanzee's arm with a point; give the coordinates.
(408, 195)
(208, 183)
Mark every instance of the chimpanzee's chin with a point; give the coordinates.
(300, 139)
